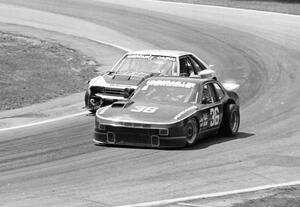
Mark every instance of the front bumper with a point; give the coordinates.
(138, 137)
(97, 101)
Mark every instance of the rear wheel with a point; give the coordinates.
(191, 131)
(231, 120)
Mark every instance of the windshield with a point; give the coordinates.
(146, 64)
(167, 91)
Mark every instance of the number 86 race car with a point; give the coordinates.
(169, 112)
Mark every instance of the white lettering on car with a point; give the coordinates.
(152, 57)
(179, 84)
(144, 109)
(203, 122)
(215, 116)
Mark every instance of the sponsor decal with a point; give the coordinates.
(213, 116)
(169, 83)
(152, 57)
(166, 58)
(203, 120)
(139, 56)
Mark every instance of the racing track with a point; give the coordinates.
(57, 164)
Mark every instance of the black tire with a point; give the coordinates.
(87, 101)
(231, 120)
(192, 130)
(87, 98)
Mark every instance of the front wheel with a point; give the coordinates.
(191, 131)
(231, 120)
(87, 101)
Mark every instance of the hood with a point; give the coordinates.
(143, 112)
(116, 79)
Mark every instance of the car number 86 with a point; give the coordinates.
(144, 109)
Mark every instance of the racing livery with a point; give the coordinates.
(169, 112)
(134, 67)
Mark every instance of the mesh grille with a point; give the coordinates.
(114, 91)
(133, 138)
(96, 89)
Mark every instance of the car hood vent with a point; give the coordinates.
(128, 78)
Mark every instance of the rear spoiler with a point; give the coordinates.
(231, 86)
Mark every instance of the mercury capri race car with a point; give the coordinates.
(169, 112)
(134, 67)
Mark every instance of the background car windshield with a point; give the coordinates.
(147, 64)
(166, 91)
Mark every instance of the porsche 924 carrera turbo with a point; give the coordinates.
(169, 112)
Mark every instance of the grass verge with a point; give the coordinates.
(281, 6)
(33, 70)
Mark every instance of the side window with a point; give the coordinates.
(201, 66)
(219, 91)
(208, 94)
(185, 67)
(206, 97)
(213, 93)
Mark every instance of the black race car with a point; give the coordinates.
(169, 112)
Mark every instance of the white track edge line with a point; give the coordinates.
(44, 122)
(212, 195)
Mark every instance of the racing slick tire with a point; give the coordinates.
(192, 130)
(231, 120)
(87, 101)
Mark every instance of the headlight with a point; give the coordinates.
(98, 125)
(128, 92)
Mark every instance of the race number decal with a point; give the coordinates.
(215, 116)
(144, 109)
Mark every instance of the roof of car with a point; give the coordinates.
(172, 53)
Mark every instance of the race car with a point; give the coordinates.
(169, 112)
(134, 67)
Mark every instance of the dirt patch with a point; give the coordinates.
(281, 6)
(288, 197)
(276, 197)
(34, 70)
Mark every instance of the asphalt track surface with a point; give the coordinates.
(56, 164)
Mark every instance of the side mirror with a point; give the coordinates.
(127, 95)
(206, 100)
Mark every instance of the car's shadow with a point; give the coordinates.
(213, 140)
